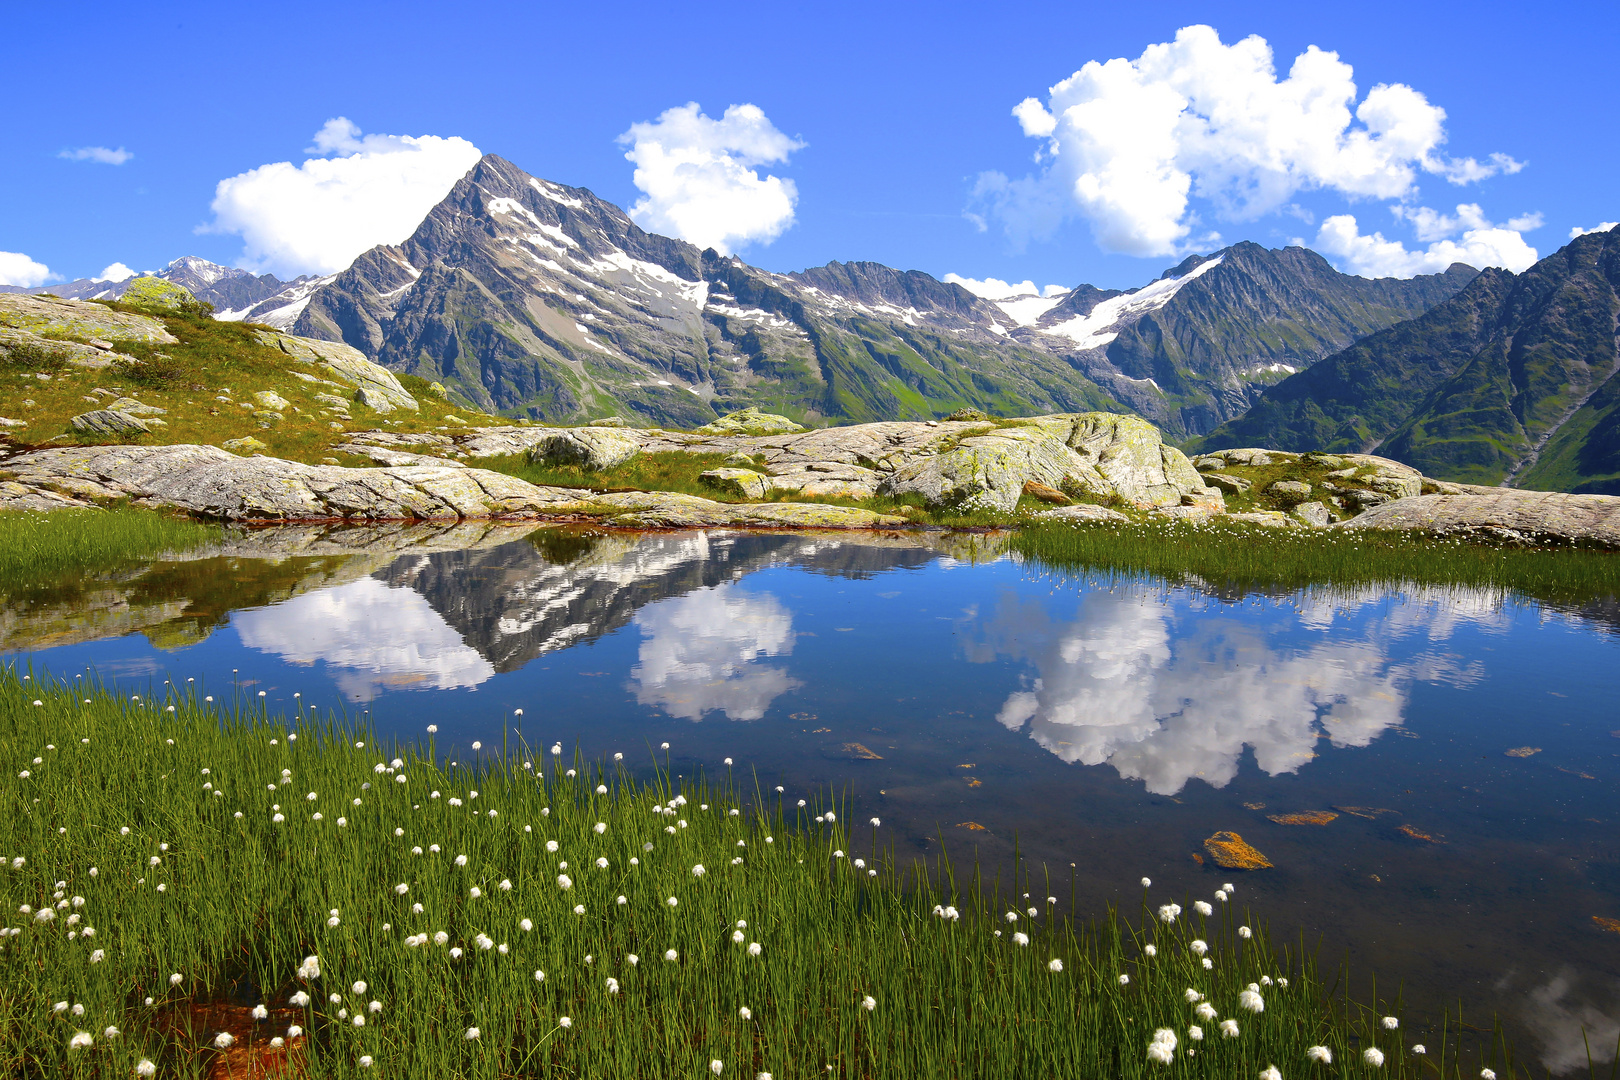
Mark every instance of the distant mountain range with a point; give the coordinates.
(525, 296)
(1512, 380)
(235, 294)
(531, 298)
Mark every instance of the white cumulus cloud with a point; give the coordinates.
(700, 176)
(1601, 227)
(996, 289)
(1481, 243)
(18, 269)
(98, 154)
(116, 272)
(361, 191)
(1138, 147)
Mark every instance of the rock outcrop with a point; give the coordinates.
(968, 464)
(591, 448)
(373, 385)
(1503, 514)
(750, 421)
(213, 483)
(78, 319)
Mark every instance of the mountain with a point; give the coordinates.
(1201, 344)
(1510, 381)
(235, 294)
(526, 296)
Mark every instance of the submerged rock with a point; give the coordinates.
(1231, 852)
(1306, 817)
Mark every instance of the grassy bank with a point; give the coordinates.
(169, 866)
(38, 552)
(1240, 556)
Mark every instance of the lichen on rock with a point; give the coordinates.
(1231, 852)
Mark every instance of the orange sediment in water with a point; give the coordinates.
(1522, 751)
(1304, 817)
(974, 825)
(1612, 925)
(1231, 852)
(1418, 834)
(1363, 811)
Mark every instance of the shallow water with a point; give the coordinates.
(1099, 729)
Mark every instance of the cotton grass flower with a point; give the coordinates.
(717, 1066)
(223, 1039)
(260, 1012)
(1250, 999)
(1373, 1056)
(1229, 1029)
(1162, 1047)
(81, 1040)
(1391, 1023)
(1419, 1048)
(1270, 1073)
(1199, 947)
(1245, 933)
(671, 955)
(1150, 951)
(145, 1067)
(1205, 1011)
(1319, 1053)
(564, 1022)
(1020, 939)
(1054, 965)
(1203, 908)
(1487, 1074)
(754, 948)
(869, 1003)
(1168, 912)
(473, 1034)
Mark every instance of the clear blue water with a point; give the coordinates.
(1101, 729)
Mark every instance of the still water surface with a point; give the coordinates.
(1099, 727)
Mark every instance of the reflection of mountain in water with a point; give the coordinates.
(1164, 697)
(515, 602)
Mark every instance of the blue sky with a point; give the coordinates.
(911, 154)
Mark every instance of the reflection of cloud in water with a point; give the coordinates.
(1567, 1029)
(1121, 686)
(375, 636)
(698, 653)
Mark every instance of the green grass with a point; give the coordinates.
(1238, 555)
(161, 814)
(39, 551)
(670, 470)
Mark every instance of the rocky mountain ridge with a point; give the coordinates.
(526, 296)
(237, 295)
(1513, 380)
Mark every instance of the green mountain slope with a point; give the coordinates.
(1511, 380)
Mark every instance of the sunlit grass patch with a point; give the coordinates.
(39, 551)
(1242, 556)
(172, 863)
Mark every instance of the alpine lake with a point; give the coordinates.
(1431, 772)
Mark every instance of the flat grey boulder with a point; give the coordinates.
(750, 421)
(1505, 514)
(1291, 491)
(210, 482)
(78, 320)
(108, 422)
(591, 448)
(1313, 513)
(742, 482)
(135, 408)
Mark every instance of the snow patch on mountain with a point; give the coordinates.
(1092, 331)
